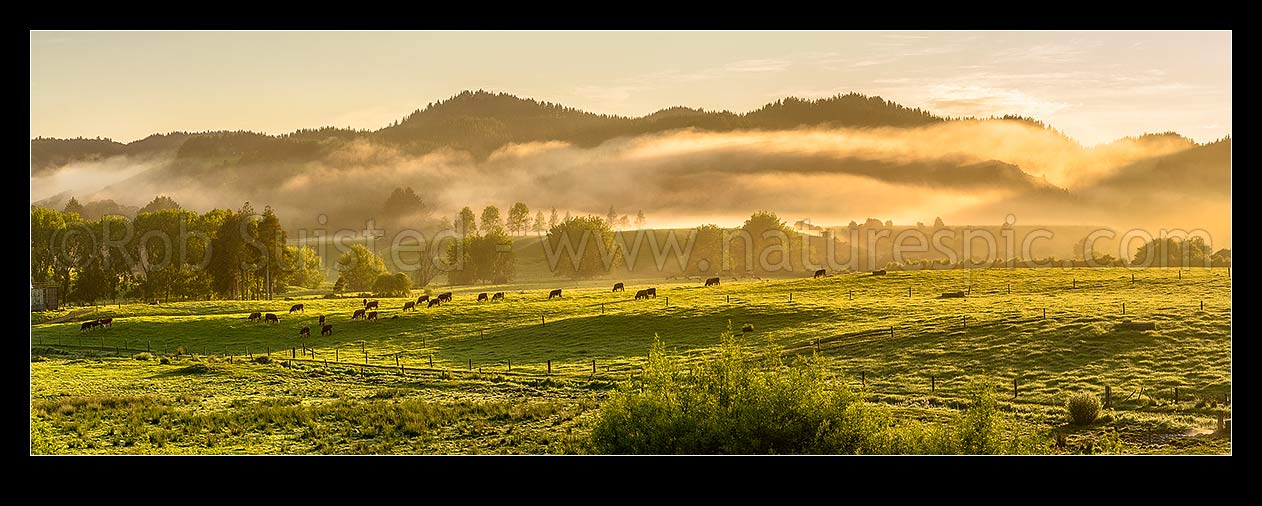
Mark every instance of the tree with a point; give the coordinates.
(519, 218)
(403, 202)
(773, 247)
(73, 207)
(272, 239)
(392, 285)
(302, 267)
(491, 220)
(360, 267)
(466, 222)
(486, 258)
(640, 220)
(937, 223)
(707, 251)
(552, 222)
(889, 223)
(612, 216)
(426, 270)
(540, 224)
(159, 203)
(567, 216)
(582, 247)
(1172, 251)
(623, 221)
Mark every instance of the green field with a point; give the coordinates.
(489, 387)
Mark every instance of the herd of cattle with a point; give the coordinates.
(438, 300)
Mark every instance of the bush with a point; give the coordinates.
(144, 355)
(164, 361)
(734, 404)
(263, 359)
(1083, 408)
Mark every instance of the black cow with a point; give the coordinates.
(497, 296)
(435, 302)
(423, 298)
(105, 322)
(359, 313)
(652, 292)
(617, 287)
(271, 318)
(296, 307)
(255, 317)
(305, 332)
(372, 315)
(879, 273)
(445, 297)
(482, 296)
(712, 281)
(642, 294)
(321, 319)
(821, 273)
(326, 330)
(409, 305)
(554, 293)
(372, 304)
(88, 325)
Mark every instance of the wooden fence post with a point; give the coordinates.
(1014, 388)
(966, 322)
(891, 331)
(909, 292)
(668, 299)
(293, 353)
(549, 367)
(602, 308)
(851, 294)
(510, 365)
(863, 378)
(933, 384)
(1108, 396)
(1123, 308)
(729, 299)
(1075, 283)
(1044, 313)
(817, 346)
(593, 367)
(542, 322)
(1202, 305)
(470, 364)
(431, 360)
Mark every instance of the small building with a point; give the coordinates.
(44, 297)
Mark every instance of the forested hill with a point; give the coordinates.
(480, 122)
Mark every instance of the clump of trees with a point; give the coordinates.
(483, 254)
(168, 253)
(582, 247)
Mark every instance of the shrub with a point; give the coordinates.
(263, 359)
(165, 361)
(1083, 408)
(144, 355)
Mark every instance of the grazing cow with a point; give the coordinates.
(296, 307)
(365, 302)
(372, 304)
(445, 297)
(555, 293)
(255, 317)
(652, 292)
(326, 330)
(372, 315)
(359, 313)
(321, 319)
(88, 325)
(305, 332)
(879, 273)
(617, 287)
(107, 322)
(271, 318)
(820, 273)
(953, 295)
(712, 281)
(497, 296)
(435, 302)
(422, 298)
(642, 294)
(409, 305)
(482, 296)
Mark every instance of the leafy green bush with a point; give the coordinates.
(1083, 408)
(735, 403)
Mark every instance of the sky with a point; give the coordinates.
(1094, 86)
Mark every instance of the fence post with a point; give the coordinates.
(1014, 388)
(510, 365)
(891, 331)
(790, 296)
(1202, 305)
(480, 333)
(1075, 283)
(1133, 278)
(1108, 396)
(1123, 308)
(293, 353)
(1220, 419)
(396, 361)
(269, 352)
(549, 367)
(966, 321)
(933, 384)
(1044, 313)
(470, 364)
(1009, 288)
(337, 354)
(431, 360)
(863, 378)
(542, 322)
(668, 299)
(602, 308)
(593, 367)
(1176, 395)
(909, 292)
(851, 294)
(816, 346)
(729, 299)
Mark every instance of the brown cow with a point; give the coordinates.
(359, 313)
(422, 298)
(445, 297)
(88, 325)
(409, 305)
(321, 319)
(372, 315)
(555, 293)
(271, 318)
(296, 307)
(372, 304)
(642, 294)
(435, 302)
(107, 322)
(879, 273)
(305, 332)
(255, 317)
(652, 292)
(326, 330)
(821, 273)
(617, 287)
(482, 296)
(497, 296)
(712, 281)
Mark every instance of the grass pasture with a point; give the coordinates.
(913, 353)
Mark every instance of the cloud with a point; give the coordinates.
(760, 65)
(956, 100)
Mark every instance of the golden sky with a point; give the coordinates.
(1094, 86)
